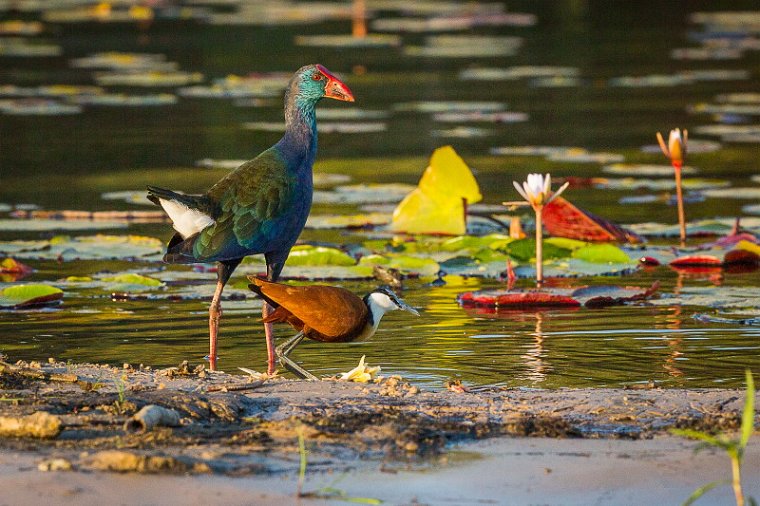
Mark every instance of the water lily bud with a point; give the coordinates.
(676, 147)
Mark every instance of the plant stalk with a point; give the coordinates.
(737, 480)
(679, 199)
(539, 245)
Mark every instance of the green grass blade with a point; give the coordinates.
(302, 466)
(701, 436)
(703, 490)
(748, 416)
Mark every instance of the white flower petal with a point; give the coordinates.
(520, 190)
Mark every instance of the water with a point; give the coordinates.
(60, 162)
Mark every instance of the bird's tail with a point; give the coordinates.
(256, 287)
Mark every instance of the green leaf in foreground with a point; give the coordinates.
(703, 490)
(748, 416)
(29, 295)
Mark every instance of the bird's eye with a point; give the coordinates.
(317, 77)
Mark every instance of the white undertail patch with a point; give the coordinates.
(185, 220)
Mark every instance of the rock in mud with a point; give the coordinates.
(40, 424)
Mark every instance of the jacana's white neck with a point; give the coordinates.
(378, 304)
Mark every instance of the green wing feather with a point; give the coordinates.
(249, 199)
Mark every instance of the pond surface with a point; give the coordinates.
(600, 76)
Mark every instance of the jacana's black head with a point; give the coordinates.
(382, 299)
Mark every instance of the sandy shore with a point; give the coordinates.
(663, 470)
(234, 440)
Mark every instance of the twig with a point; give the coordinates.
(236, 387)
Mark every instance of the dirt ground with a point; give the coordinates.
(235, 438)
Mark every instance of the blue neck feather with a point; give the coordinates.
(299, 144)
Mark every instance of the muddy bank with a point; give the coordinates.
(80, 416)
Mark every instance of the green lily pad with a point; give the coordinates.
(132, 282)
(474, 243)
(21, 296)
(404, 263)
(601, 253)
(318, 255)
(525, 249)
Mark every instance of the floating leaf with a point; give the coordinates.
(562, 218)
(37, 225)
(601, 253)
(347, 220)
(465, 46)
(436, 206)
(525, 250)
(591, 297)
(22, 296)
(342, 41)
(131, 282)
(11, 266)
(404, 263)
(363, 194)
(318, 255)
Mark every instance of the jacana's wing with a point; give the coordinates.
(250, 201)
(563, 219)
(330, 310)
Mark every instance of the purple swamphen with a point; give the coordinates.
(260, 207)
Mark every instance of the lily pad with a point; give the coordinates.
(517, 72)
(333, 221)
(733, 193)
(465, 46)
(307, 255)
(563, 219)
(643, 169)
(446, 107)
(601, 253)
(363, 194)
(408, 264)
(24, 296)
(37, 225)
(590, 297)
(131, 282)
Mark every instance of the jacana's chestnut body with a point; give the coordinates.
(324, 313)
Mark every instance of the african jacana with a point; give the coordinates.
(323, 313)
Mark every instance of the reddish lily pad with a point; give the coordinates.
(561, 218)
(12, 266)
(590, 297)
(24, 296)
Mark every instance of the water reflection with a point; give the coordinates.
(535, 364)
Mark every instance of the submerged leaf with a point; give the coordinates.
(19, 296)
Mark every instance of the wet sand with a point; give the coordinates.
(237, 440)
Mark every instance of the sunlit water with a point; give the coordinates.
(62, 162)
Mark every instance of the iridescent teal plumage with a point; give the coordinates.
(262, 206)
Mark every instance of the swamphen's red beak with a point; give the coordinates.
(335, 88)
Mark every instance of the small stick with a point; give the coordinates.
(235, 388)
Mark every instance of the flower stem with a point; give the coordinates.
(679, 198)
(539, 246)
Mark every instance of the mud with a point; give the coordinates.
(240, 425)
